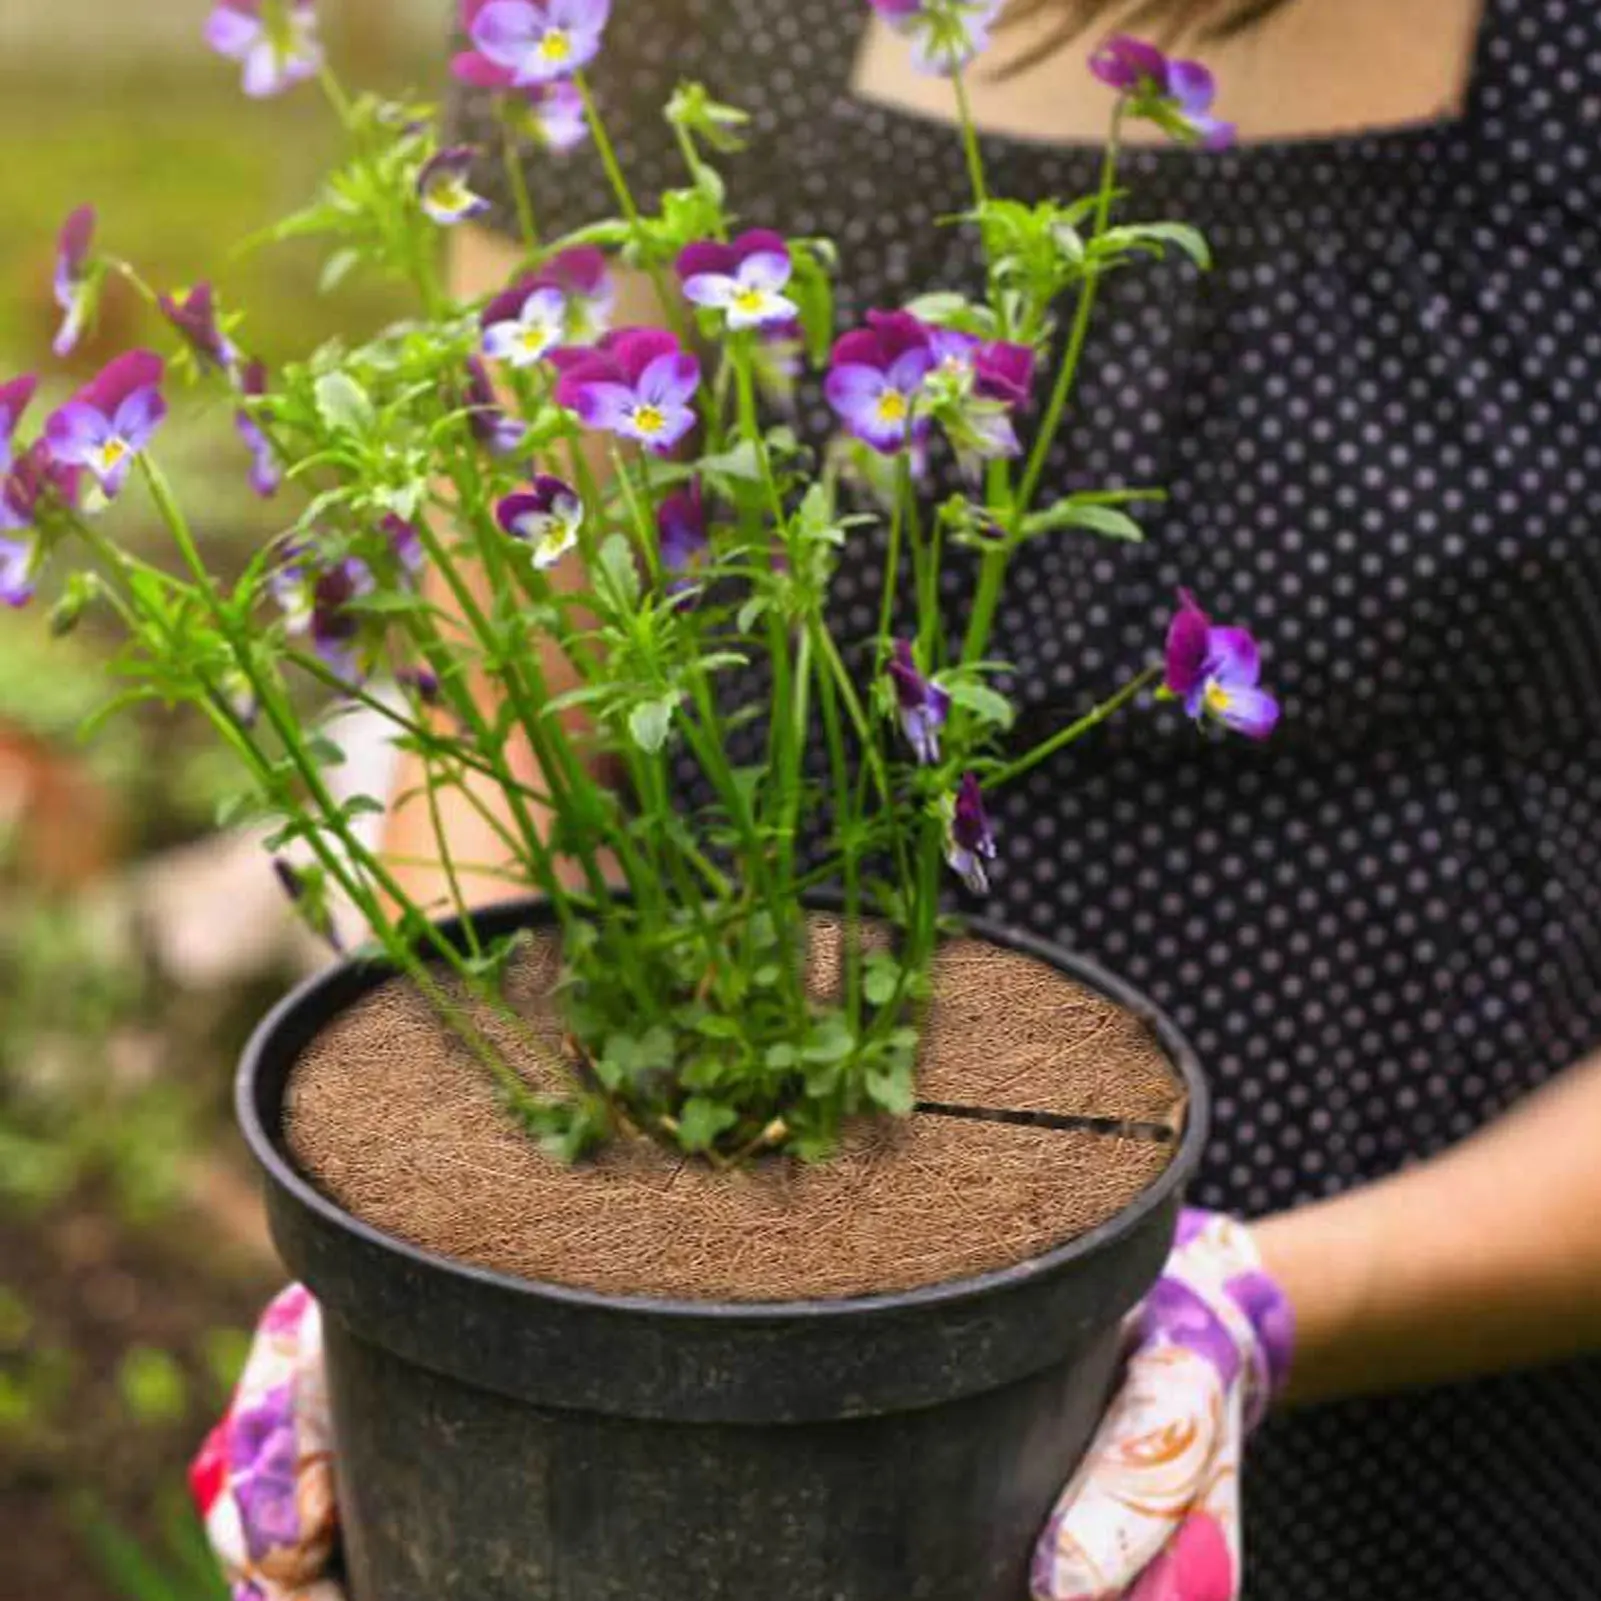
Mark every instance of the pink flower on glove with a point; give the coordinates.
(1197, 1566)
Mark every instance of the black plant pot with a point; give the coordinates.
(504, 1440)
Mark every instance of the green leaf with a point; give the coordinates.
(336, 269)
(881, 979)
(742, 464)
(891, 1088)
(702, 1120)
(343, 404)
(650, 722)
(323, 751)
(1105, 520)
(619, 573)
(983, 702)
(829, 1040)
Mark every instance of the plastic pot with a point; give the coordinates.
(505, 1440)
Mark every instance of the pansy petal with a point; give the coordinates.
(1192, 85)
(670, 379)
(1252, 712)
(1188, 637)
(506, 30)
(766, 269)
(1233, 658)
(605, 406)
(76, 430)
(232, 33)
(712, 289)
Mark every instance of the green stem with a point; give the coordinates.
(1090, 720)
(975, 159)
(518, 182)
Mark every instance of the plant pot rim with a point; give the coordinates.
(327, 994)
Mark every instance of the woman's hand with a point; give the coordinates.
(1153, 1513)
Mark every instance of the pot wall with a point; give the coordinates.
(502, 1440)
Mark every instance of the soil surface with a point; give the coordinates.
(396, 1122)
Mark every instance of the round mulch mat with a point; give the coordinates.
(1045, 1109)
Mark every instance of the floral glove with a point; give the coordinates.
(264, 1479)
(1153, 1513)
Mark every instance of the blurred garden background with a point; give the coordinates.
(138, 942)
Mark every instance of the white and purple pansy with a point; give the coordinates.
(536, 41)
(874, 378)
(265, 473)
(524, 323)
(970, 841)
(584, 277)
(275, 41)
(976, 386)
(921, 704)
(1216, 673)
(74, 278)
(1176, 95)
(743, 280)
(945, 34)
(341, 633)
(443, 190)
(194, 316)
(405, 543)
(546, 517)
(555, 109)
(111, 419)
(637, 383)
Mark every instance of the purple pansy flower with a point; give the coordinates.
(547, 516)
(637, 383)
(15, 398)
(524, 323)
(946, 34)
(1216, 672)
(1177, 95)
(923, 705)
(875, 375)
(423, 682)
(195, 318)
(682, 539)
(274, 40)
(970, 841)
(584, 276)
(405, 542)
(555, 110)
(537, 41)
(442, 188)
(975, 386)
(73, 279)
(337, 627)
(493, 426)
(265, 474)
(741, 280)
(111, 419)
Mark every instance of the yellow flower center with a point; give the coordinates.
(534, 340)
(749, 300)
(892, 406)
(1217, 698)
(555, 46)
(451, 194)
(648, 419)
(112, 452)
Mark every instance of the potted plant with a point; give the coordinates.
(731, 1024)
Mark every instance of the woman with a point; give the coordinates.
(1378, 423)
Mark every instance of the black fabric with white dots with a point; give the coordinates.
(1379, 426)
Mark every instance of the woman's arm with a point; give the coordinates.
(1486, 1258)
(481, 263)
